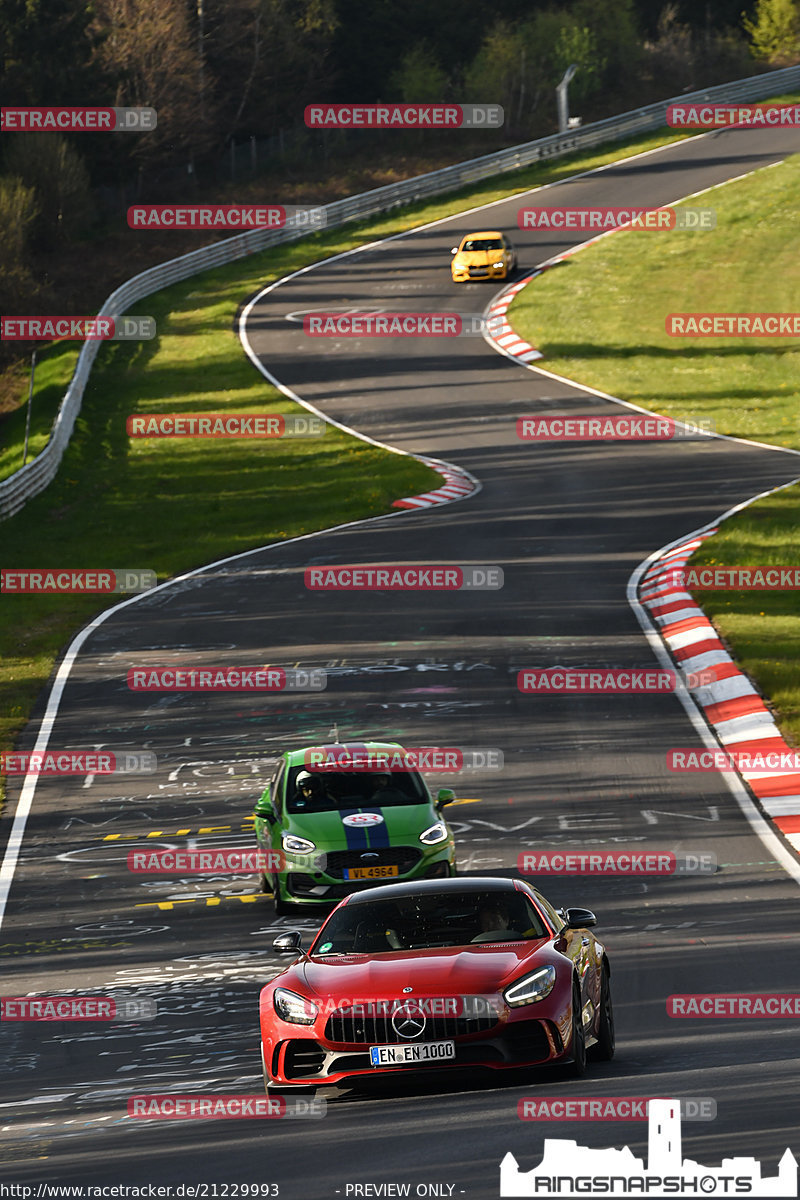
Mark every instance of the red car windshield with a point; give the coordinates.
(428, 921)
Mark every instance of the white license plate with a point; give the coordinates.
(391, 1056)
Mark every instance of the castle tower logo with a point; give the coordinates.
(568, 1169)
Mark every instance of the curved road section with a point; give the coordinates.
(567, 524)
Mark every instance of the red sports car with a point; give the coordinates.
(463, 972)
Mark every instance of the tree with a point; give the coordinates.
(419, 78)
(18, 211)
(774, 32)
(49, 165)
(577, 44)
(275, 57)
(45, 53)
(148, 50)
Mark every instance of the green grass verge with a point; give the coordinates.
(54, 367)
(599, 320)
(763, 628)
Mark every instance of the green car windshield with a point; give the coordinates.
(333, 790)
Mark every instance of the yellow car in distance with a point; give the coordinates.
(487, 255)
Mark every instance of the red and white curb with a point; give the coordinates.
(457, 485)
(499, 332)
(730, 703)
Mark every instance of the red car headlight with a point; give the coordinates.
(295, 1009)
(531, 988)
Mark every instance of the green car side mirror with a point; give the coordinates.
(445, 796)
(264, 807)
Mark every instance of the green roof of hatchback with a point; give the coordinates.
(296, 757)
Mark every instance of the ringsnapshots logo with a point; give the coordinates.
(616, 862)
(221, 861)
(77, 1008)
(721, 116)
(333, 324)
(448, 760)
(216, 1107)
(611, 1108)
(75, 582)
(79, 762)
(398, 577)
(615, 427)
(224, 425)
(241, 217)
(77, 120)
(738, 325)
(594, 681)
(226, 679)
(603, 219)
(567, 1169)
(404, 116)
(77, 329)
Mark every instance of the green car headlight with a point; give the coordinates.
(531, 988)
(297, 845)
(435, 834)
(295, 1009)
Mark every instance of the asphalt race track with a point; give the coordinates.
(568, 525)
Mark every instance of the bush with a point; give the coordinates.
(48, 164)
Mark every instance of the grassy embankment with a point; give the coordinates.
(749, 387)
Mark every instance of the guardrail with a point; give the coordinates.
(36, 475)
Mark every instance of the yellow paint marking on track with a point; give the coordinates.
(157, 833)
(462, 801)
(209, 901)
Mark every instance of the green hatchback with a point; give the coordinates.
(328, 830)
